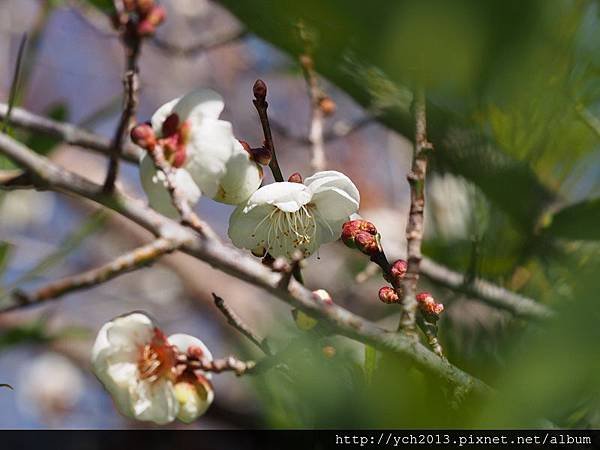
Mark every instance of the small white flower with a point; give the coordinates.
(282, 217)
(202, 147)
(136, 363)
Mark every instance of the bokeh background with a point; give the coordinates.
(512, 197)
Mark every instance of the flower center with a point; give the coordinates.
(283, 229)
(175, 137)
(157, 359)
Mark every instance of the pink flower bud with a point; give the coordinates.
(430, 308)
(295, 178)
(321, 295)
(388, 295)
(398, 269)
(156, 15)
(146, 28)
(143, 135)
(143, 6)
(366, 243)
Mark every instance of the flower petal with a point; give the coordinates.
(248, 226)
(335, 204)
(286, 196)
(322, 181)
(154, 401)
(199, 103)
(242, 177)
(194, 400)
(161, 114)
(209, 149)
(154, 185)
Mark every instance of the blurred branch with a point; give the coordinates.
(414, 226)
(229, 364)
(240, 265)
(330, 136)
(589, 119)
(14, 86)
(67, 132)
(120, 265)
(234, 320)
(188, 51)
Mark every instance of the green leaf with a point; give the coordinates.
(580, 221)
(5, 250)
(370, 363)
(106, 6)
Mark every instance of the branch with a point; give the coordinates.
(132, 42)
(316, 96)
(485, 291)
(119, 266)
(67, 132)
(234, 320)
(241, 266)
(229, 364)
(414, 227)
(200, 47)
(261, 105)
(329, 136)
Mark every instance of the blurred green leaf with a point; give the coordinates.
(106, 6)
(580, 221)
(5, 249)
(370, 363)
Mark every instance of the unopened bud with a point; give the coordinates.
(259, 90)
(321, 295)
(170, 125)
(143, 135)
(327, 106)
(388, 295)
(366, 243)
(295, 178)
(261, 155)
(429, 307)
(329, 351)
(148, 25)
(398, 269)
(143, 6)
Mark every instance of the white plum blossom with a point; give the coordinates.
(283, 217)
(137, 364)
(202, 148)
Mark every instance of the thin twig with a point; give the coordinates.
(242, 266)
(132, 42)
(315, 95)
(414, 226)
(188, 216)
(125, 263)
(261, 105)
(234, 320)
(14, 86)
(329, 136)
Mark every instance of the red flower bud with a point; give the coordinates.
(143, 6)
(429, 307)
(295, 178)
(143, 135)
(261, 155)
(259, 90)
(398, 269)
(388, 295)
(366, 243)
(170, 125)
(156, 15)
(321, 295)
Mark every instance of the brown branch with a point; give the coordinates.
(197, 48)
(414, 226)
(242, 266)
(132, 42)
(68, 133)
(260, 103)
(234, 320)
(125, 263)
